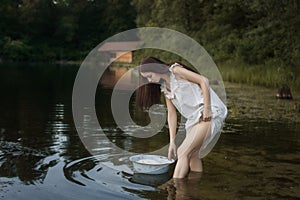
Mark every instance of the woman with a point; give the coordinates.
(191, 95)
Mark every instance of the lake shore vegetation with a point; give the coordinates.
(256, 42)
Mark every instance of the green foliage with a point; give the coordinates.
(14, 49)
(270, 74)
(47, 30)
(256, 42)
(249, 32)
(165, 56)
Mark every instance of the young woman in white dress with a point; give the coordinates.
(189, 93)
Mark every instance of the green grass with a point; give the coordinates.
(264, 75)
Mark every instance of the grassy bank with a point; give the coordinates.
(267, 75)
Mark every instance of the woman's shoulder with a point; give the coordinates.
(176, 69)
(174, 65)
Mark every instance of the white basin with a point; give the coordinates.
(150, 164)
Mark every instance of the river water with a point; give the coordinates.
(43, 157)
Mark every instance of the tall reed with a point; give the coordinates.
(264, 75)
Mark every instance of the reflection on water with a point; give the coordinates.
(42, 157)
(185, 189)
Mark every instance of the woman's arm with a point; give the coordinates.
(204, 84)
(172, 122)
(172, 119)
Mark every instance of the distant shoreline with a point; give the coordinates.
(266, 76)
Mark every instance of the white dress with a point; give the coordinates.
(188, 99)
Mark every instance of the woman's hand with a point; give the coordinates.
(206, 115)
(172, 149)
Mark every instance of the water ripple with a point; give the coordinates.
(99, 171)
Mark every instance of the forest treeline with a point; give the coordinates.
(250, 32)
(50, 30)
(254, 42)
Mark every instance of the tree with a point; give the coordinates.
(252, 32)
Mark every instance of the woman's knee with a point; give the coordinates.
(183, 158)
(194, 154)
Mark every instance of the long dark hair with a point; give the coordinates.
(149, 94)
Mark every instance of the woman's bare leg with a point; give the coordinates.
(192, 141)
(182, 167)
(195, 162)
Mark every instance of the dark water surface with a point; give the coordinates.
(42, 156)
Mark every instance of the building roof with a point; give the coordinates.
(120, 46)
